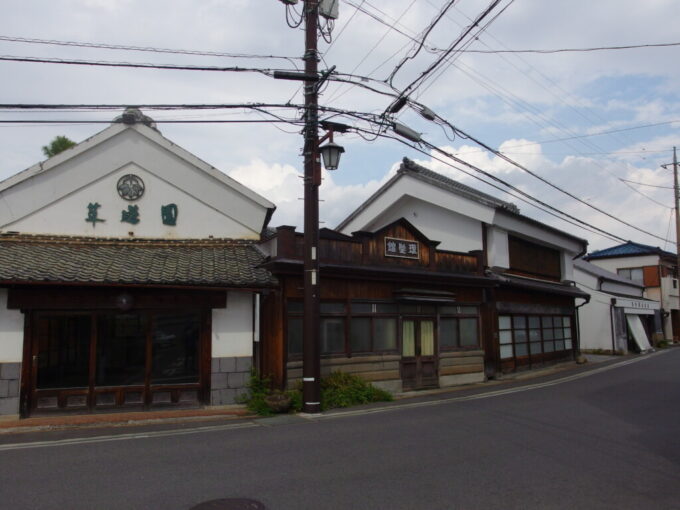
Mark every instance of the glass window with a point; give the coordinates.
(534, 322)
(506, 337)
(385, 331)
(536, 347)
(175, 351)
(468, 332)
(567, 344)
(121, 349)
(559, 345)
(332, 307)
(519, 322)
(294, 335)
(547, 322)
(506, 351)
(534, 335)
(521, 349)
(637, 275)
(332, 335)
(504, 322)
(360, 334)
(548, 346)
(520, 335)
(361, 307)
(408, 339)
(386, 308)
(64, 352)
(448, 333)
(295, 306)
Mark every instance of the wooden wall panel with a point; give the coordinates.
(651, 276)
(533, 259)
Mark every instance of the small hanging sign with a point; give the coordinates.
(403, 248)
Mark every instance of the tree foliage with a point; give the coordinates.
(59, 144)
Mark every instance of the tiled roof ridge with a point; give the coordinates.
(620, 250)
(410, 166)
(112, 241)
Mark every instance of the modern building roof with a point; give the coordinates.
(85, 260)
(599, 272)
(628, 249)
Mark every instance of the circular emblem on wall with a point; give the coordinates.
(130, 187)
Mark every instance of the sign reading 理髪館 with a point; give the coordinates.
(404, 248)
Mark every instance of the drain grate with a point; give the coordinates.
(230, 504)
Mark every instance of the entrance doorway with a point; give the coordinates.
(419, 358)
(90, 361)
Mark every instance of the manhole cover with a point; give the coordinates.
(230, 504)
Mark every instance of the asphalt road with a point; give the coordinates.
(605, 438)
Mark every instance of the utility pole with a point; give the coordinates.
(676, 194)
(311, 365)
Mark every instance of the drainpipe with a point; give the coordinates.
(611, 322)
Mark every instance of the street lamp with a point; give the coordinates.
(331, 155)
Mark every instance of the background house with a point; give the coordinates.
(617, 318)
(652, 267)
(129, 278)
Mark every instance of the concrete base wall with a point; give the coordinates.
(10, 373)
(229, 379)
(381, 370)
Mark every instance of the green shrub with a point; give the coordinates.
(258, 389)
(341, 389)
(337, 390)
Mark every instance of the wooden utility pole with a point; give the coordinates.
(311, 369)
(676, 194)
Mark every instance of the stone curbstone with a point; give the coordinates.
(13, 389)
(4, 389)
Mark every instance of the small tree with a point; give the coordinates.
(59, 144)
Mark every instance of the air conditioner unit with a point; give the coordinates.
(329, 8)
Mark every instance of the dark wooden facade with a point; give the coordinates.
(421, 298)
(89, 349)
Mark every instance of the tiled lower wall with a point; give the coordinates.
(9, 388)
(228, 379)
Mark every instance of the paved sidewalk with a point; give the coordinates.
(121, 418)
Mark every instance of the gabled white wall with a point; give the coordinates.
(426, 193)
(55, 200)
(454, 231)
(67, 215)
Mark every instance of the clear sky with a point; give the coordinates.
(582, 120)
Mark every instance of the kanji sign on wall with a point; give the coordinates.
(403, 248)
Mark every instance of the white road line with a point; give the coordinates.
(315, 417)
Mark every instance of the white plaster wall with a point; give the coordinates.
(595, 329)
(11, 332)
(55, 201)
(232, 327)
(534, 232)
(498, 254)
(567, 265)
(454, 231)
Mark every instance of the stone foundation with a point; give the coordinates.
(10, 373)
(229, 379)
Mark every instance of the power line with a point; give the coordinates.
(108, 46)
(37, 60)
(645, 184)
(574, 50)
